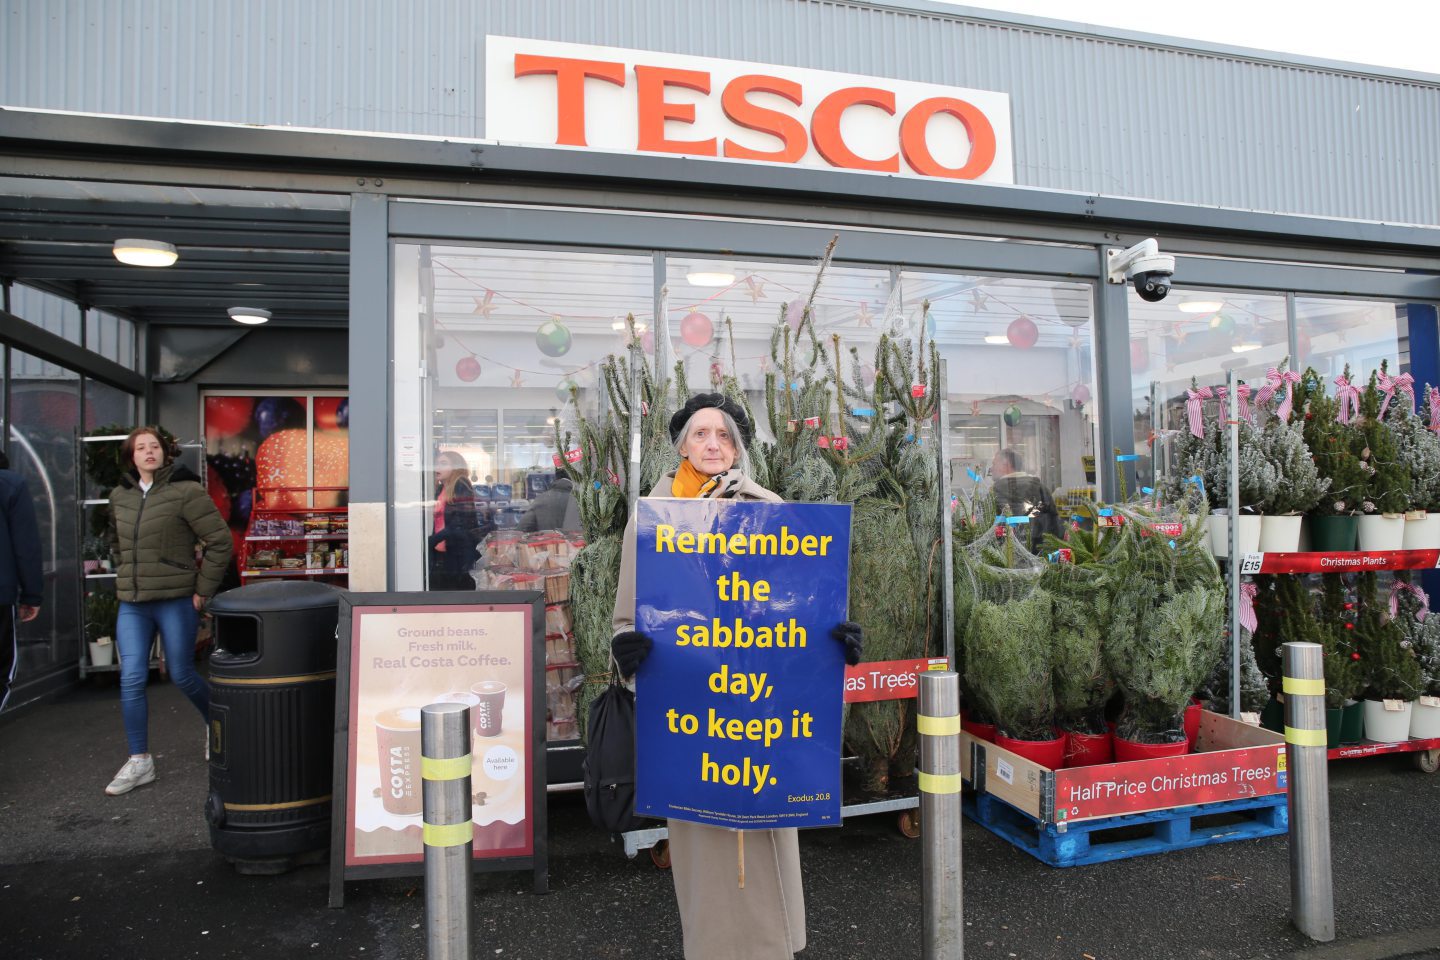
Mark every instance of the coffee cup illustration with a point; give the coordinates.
(397, 734)
(471, 700)
(487, 712)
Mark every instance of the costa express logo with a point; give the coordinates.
(635, 101)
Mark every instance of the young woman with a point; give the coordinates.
(710, 433)
(456, 530)
(156, 521)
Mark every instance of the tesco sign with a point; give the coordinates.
(638, 101)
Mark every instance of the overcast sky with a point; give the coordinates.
(1387, 33)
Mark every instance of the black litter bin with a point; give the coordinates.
(272, 722)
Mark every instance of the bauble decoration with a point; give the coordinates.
(795, 314)
(563, 388)
(696, 329)
(1013, 415)
(552, 338)
(1223, 323)
(1081, 394)
(1022, 333)
(467, 369)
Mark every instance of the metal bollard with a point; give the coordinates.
(449, 835)
(1312, 896)
(938, 722)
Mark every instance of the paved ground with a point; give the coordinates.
(83, 875)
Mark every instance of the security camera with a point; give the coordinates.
(1144, 264)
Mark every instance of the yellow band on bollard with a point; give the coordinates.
(1306, 738)
(448, 834)
(937, 726)
(938, 782)
(1304, 688)
(452, 768)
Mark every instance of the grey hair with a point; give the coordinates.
(742, 458)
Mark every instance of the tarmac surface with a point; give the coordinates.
(88, 876)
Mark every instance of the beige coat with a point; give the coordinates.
(765, 920)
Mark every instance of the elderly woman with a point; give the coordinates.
(766, 919)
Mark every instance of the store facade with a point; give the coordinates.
(545, 181)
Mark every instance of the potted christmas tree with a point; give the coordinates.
(1392, 673)
(1387, 490)
(1422, 632)
(1008, 662)
(1079, 621)
(1344, 670)
(1418, 448)
(1298, 487)
(1336, 445)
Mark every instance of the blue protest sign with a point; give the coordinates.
(738, 706)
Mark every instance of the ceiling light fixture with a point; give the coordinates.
(620, 325)
(1245, 346)
(999, 339)
(710, 275)
(1200, 306)
(145, 253)
(252, 316)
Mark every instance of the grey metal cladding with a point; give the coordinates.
(1115, 114)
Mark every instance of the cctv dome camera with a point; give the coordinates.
(1152, 285)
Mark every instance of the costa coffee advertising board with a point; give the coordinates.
(399, 653)
(642, 101)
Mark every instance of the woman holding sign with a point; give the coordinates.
(765, 919)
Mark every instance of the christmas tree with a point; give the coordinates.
(1008, 662)
(1387, 657)
(1388, 488)
(1418, 448)
(1421, 631)
(1335, 446)
(1079, 620)
(1298, 486)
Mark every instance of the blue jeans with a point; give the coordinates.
(176, 620)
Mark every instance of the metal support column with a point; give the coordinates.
(1312, 896)
(448, 832)
(1112, 363)
(632, 487)
(938, 722)
(1232, 419)
(942, 444)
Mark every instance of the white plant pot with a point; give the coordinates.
(102, 654)
(1387, 726)
(1422, 534)
(1247, 534)
(1379, 532)
(1280, 534)
(1425, 719)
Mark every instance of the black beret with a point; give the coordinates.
(720, 402)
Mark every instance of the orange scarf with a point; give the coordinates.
(690, 482)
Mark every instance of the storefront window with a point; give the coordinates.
(44, 414)
(1198, 335)
(1330, 334)
(1020, 356)
(110, 336)
(496, 339)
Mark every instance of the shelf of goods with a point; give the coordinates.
(541, 561)
(289, 536)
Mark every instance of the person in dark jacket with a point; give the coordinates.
(21, 582)
(156, 522)
(1020, 494)
(456, 530)
(555, 509)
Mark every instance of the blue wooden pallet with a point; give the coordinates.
(1114, 838)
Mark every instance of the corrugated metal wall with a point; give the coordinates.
(1090, 114)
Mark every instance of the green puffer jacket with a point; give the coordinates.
(153, 537)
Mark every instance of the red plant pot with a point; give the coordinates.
(1192, 721)
(1131, 750)
(1048, 753)
(1087, 749)
(985, 731)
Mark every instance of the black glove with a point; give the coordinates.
(629, 648)
(850, 634)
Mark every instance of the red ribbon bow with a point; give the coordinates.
(1275, 382)
(1398, 587)
(1242, 399)
(1348, 398)
(1405, 383)
(1195, 406)
(1433, 394)
(1247, 606)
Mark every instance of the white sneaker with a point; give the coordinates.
(137, 772)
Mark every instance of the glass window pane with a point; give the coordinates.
(1200, 335)
(47, 311)
(1020, 356)
(496, 338)
(45, 408)
(1332, 333)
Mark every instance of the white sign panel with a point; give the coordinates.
(640, 101)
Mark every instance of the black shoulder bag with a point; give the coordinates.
(609, 765)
